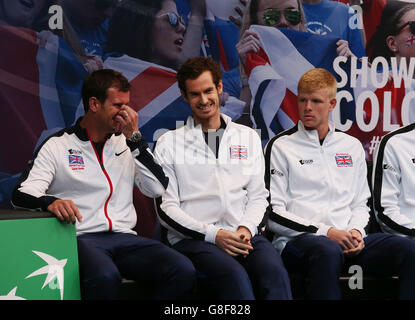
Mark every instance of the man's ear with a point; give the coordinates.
(184, 96)
(332, 104)
(220, 87)
(94, 104)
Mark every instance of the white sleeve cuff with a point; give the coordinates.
(322, 231)
(211, 232)
(361, 230)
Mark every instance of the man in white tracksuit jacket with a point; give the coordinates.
(319, 192)
(216, 198)
(85, 174)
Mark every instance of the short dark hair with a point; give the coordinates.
(99, 81)
(194, 67)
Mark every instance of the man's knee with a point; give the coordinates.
(185, 268)
(327, 252)
(405, 248)
(180, 269)
(104, 284)
(103, 276)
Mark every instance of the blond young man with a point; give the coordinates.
(319, 192)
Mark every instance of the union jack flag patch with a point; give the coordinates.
(238, 152)
(344, 160)
(76, 162)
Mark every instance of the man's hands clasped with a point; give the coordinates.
(234, 243)
(351, 241)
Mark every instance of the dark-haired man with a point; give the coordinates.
(85, 175)
(216, 198)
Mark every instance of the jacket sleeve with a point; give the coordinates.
(281, 221)
(171, 216)
(256, 192)
(360, 211)
(149, 175)
(30, 191)
(387, 188)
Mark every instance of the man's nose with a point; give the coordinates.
(308, 105)
(204, 99)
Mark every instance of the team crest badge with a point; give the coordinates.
(238, 152)
(344, 160)
(76, 162)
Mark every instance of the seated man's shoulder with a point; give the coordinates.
(242, 127)
(170, 135)
(347, 139)
(287, 136)
(239, 128)
(54, 138)
(406, 132)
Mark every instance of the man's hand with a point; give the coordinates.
(356, 234)
(343, 238)
(127, 121)
(233, 243)
(245, 235)
(65, 210)
(358, 237)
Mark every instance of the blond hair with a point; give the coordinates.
(316, 79)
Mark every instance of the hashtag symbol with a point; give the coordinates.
(374, 143)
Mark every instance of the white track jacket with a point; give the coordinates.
(206, 194)
(394, 182)
(67, 166)
(314, 187)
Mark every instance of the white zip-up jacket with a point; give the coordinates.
(393, 181)
(206, 193)
(315, 187)
(67, 166)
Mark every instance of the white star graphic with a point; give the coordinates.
(12, 295)
(54, 269)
